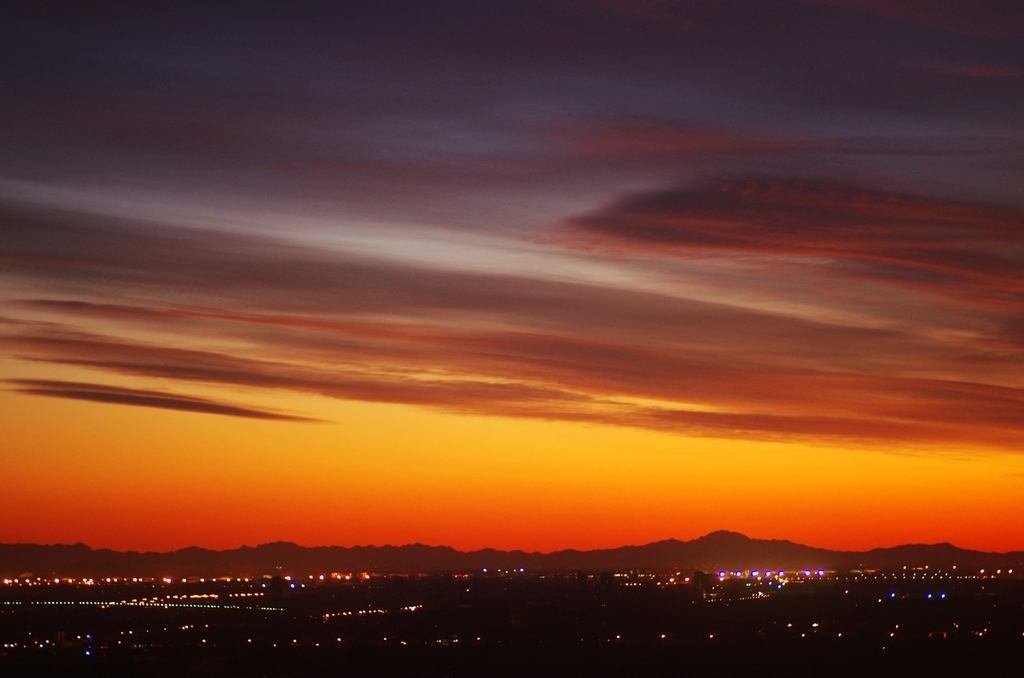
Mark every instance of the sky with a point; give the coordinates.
(513, 274)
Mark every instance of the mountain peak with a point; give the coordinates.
(724, 535)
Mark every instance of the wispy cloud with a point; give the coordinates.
(98, 393)
(905, 239)
(602, 384)
(261, 313)
(864, 299)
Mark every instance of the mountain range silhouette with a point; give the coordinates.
(717, 550)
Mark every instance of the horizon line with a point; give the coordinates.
(514, 550)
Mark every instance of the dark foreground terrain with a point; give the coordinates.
(912, 622)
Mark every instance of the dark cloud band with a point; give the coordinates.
(98, 393)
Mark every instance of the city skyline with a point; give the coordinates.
(513, 275)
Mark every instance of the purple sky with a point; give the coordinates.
(743, 219)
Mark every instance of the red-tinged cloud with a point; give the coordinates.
(667, 144)
(404, 112)
(917, 241)
(611, 140)
(764, 403)
(360, 381)
(279, 317)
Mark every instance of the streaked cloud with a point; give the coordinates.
(905, 239)
(98, 393)
(255, 312)
(847, 270)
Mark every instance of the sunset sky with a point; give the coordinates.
(532, 274)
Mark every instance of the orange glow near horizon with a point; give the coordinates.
(590, 274)
(134, 479)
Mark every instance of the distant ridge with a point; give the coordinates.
(721, 549)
